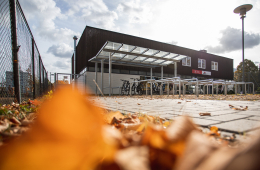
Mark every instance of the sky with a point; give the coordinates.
(194, 24)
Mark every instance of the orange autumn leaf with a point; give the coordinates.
(35, 102)
(66, 135)
(214, 129)
(166, 124)
(109, 116)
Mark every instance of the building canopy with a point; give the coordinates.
(123, 54)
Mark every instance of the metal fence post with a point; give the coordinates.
(40, 75)
(33, 69)
(15, 49)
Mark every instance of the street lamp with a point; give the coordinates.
(241, 10)
(75, 44)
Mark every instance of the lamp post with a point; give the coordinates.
(241, 10)
(75, 44)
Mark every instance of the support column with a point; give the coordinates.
(225, 88)
(173, 89)
(236, 88)
(212, 88)
(168, 89)
(96, 67)
(130, 89)
(175, 75)
(102, 76)
(110, 70)
(86, 82)
(146, 88)
(179, 88)
(207, 89)
(183, 89)
(175, 69)
(161, 89)
(197, 89)
(203, 89)
(151, 73)
(217, 90)
(151, 89)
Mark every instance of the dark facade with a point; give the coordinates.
(93, 39)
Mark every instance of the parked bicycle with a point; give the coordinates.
(125, 89)
(137, 88)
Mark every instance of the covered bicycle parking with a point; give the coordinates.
(113, 53)
(129, 55)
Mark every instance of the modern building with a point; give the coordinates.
(195, 64)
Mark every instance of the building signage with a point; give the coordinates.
(208, 73)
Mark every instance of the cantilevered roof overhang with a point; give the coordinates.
(129, 55)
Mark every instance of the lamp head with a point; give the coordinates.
(75, 37)
(241, 10)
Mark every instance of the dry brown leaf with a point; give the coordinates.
(109, 116)
(166, 124)
(205, 114)
(66, 135)
(15, 121)
(198, 148)
(180, 128)
(4, 125)
(133, 158)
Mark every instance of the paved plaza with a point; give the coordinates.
(222, 116)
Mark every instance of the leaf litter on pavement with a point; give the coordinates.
(68, 132)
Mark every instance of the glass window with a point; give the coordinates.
(171, 55)
(127, 48)
(201, 63)
(186, 61)
(161, 54)
(151, 52)
(139, 50)
(214, 65)
(113, 46)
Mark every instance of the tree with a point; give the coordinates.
(250, 70)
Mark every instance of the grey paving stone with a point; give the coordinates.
(204, 122)
(239, 125)
(257, 118)
(226, 117)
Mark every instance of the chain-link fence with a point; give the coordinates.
(22, 73)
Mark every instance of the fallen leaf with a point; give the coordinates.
(4, 125)
(109, 116)
(204, 114)
(66, 135)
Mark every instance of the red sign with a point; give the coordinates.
(208, 73)
(196, 71)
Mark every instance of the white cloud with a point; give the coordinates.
(44, 13)
(231, 41)
(61, 50)
(61, 65)
(93, 11)
(135, 11)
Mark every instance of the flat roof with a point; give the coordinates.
(130, 55)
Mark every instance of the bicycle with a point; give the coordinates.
(125, 89)
(137, 88)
